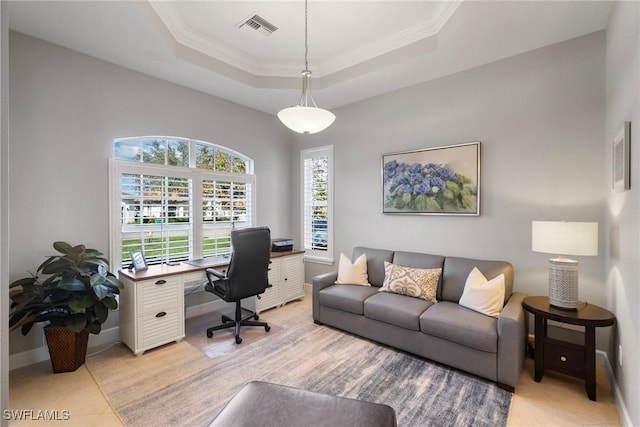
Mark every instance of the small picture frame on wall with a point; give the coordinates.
(621, 165)
(138, 262)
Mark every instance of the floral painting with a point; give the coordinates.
(440, 180)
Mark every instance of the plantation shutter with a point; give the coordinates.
(156, 217)
(316, 203)
(226, 205)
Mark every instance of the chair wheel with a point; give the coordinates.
(256, 317)
(209, 334)
(238, 340)
(267, 328)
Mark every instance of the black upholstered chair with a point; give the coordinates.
(246, 276)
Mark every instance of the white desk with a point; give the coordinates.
(152, 300)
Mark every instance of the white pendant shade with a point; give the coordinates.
(306, 120)
(302, 118)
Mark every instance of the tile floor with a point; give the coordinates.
(557, 400)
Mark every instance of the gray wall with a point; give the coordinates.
(623, 209)
(540, 118)
(66, 109)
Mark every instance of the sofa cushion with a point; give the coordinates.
(456, 270)
(375, 262)
(396, 309)
(346, 297)
(352, 273)
(413, 282)
(417, 260)
(455, 323)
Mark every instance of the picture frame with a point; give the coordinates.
(621, 173)
(138, 261)
(432, 181)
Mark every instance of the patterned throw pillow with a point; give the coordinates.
(413, 282)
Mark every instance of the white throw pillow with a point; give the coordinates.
(353, 273)
(482, 295)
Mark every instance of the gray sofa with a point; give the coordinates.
(492, 348)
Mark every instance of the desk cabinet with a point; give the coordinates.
(151, 312)
(286, 277)
(152, 301)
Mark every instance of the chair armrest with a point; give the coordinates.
(320, 282)
(216, 273)
(512, 340)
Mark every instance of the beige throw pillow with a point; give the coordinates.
(413, 282)
(482, 295)
(353, 273)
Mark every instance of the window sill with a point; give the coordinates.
(318, 260)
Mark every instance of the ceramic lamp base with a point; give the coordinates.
(563, 283)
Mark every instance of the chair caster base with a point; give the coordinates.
(238, 340)
(267, 328)
(209, 334)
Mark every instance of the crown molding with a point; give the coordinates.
(191, 39)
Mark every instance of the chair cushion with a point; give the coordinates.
(272, 405)
(396, 309)
(346, 297)
(455, 323)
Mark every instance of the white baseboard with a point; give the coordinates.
(603, 359)
(105, 338)
(37, 355)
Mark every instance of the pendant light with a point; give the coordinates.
(306, 117)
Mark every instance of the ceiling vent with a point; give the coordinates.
(257, 23)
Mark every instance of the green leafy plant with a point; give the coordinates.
(77, 293)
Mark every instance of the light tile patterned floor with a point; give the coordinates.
(557, 400)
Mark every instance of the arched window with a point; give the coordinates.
(177, 199)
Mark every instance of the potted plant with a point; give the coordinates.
(74, 298)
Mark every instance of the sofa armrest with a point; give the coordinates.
(320, 282)
(512, 340)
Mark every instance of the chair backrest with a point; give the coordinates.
(249, 266)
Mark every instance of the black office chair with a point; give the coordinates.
(246, 276)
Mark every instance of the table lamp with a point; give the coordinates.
(564, 238)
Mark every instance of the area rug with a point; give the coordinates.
(177, 385)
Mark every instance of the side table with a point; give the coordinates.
(568, 358)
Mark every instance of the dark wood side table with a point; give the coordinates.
(568, 358)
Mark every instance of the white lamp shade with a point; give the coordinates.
(565, 238)
(306, 119)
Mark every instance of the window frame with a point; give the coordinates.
(314, 255)
(196, 177)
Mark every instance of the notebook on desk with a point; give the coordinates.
(207, 262)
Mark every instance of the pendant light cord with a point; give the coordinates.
(306, 44)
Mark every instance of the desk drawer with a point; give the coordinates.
(159, 327)
(157, 294)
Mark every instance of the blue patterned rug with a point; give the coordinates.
(178, 385)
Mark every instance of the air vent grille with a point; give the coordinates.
(258, 23)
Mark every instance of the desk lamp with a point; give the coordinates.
(564, 238)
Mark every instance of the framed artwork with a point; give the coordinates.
(621, 164)
(138, 262)
(432, 181)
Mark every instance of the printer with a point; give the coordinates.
(281, 245)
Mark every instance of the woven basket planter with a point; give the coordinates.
(67, 349)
